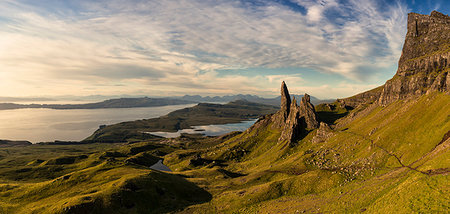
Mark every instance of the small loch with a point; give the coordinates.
(160, 166)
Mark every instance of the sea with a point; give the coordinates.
(48, 125)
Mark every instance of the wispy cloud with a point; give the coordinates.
(177, 47)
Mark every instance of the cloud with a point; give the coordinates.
(162, 47)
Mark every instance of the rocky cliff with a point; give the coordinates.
(423, 66)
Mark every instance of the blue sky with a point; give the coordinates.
(327, 48)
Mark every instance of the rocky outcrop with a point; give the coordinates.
(293, 127)
(292, 119)
(285, 99)
(424, 64)
(308, 113)
(323, 133)
(300, 119)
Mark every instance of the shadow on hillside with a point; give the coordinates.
(176, 193)
(330, 117)
(157, 192)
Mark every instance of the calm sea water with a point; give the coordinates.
(43, 125)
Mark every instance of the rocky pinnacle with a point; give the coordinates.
(299, 118)
(285, 100)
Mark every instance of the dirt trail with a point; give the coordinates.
(438, 148)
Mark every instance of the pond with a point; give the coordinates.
(160, 166)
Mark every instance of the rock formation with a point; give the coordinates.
(293, 120)
(300, 119)
(323, 133)
(280, 117)
(308, 112)
(285, 98)
(423, 66)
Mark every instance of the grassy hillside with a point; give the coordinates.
(380, 159)
(376, 159)
(88, 179)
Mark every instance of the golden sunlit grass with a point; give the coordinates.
(380, 159)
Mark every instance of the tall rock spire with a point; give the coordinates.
(285, 100)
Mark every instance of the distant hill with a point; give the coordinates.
(251, 98)
(153, 102)
(112, 103)
(8, 143)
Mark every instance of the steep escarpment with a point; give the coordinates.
(424, 64)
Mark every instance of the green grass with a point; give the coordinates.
(353, 171)
(114, 181)
(381, 159)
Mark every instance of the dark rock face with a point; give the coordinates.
(293, 125)
(365, 97)
(424, 64)
(285, 98)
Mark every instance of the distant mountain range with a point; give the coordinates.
(153, 102)
(251, 98)
(112, 103)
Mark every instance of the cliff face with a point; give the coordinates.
(424, 64)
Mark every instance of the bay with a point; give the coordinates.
(45, 125)
(209, 130)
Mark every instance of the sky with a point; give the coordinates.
(326, 48)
